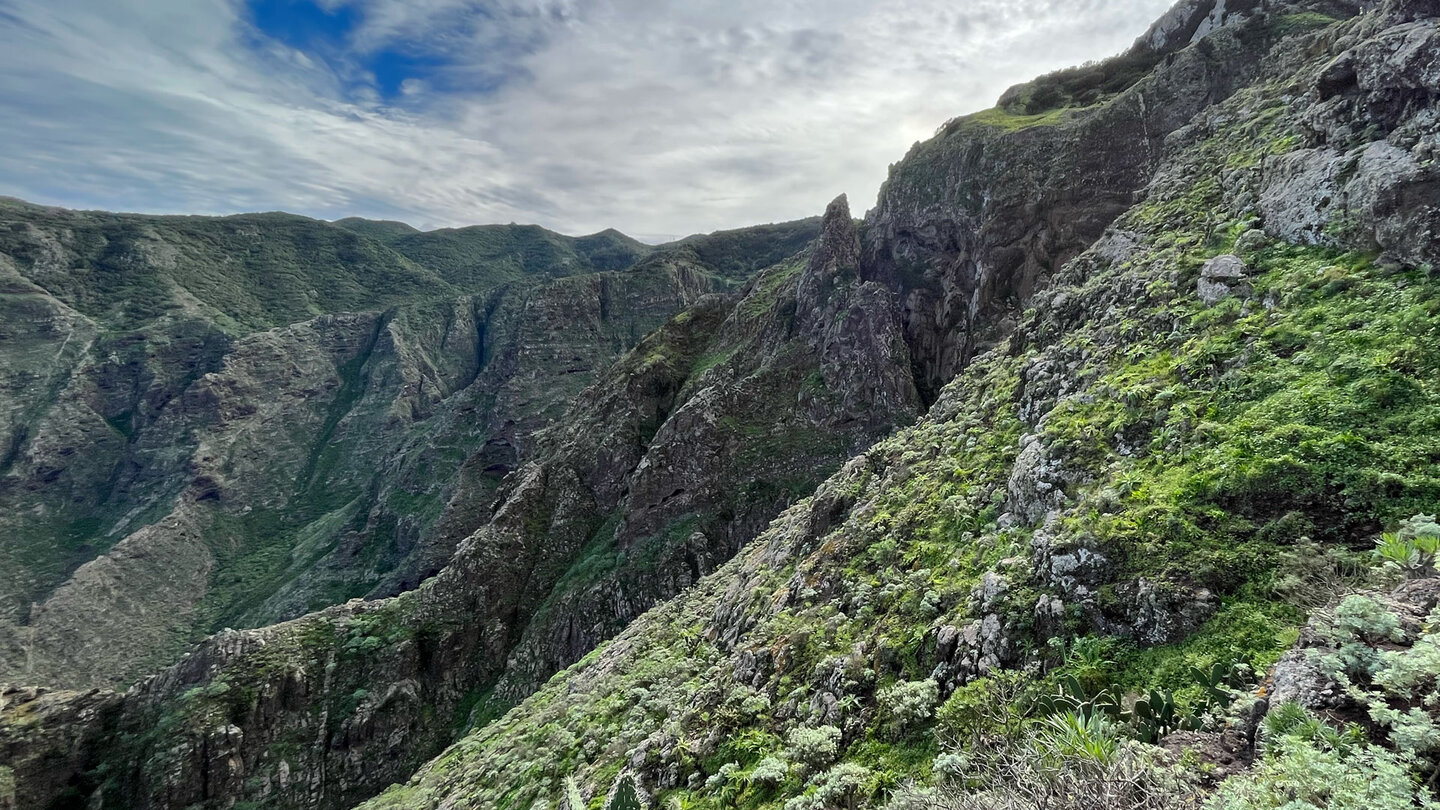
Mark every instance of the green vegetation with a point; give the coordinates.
(1094, 575)
(485, 256)
(1302, 22)
(1082, 86)
(625, 796)
(385, 231)
(247, 272)
(737, 255)
(332, 445)
(1006, 121)
(1135, 503)
(1412, 548)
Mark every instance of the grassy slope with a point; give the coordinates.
(739, 254)
(244, 273)
(488, 254)
(381, 230)
(1206, 444)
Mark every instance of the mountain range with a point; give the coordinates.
(1108, 398)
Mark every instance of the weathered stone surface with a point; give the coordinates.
(50, 742)
(973, 222)
(1220, 278)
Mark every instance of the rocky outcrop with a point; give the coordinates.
(50, 742)
(972, 222)
(807, 371)
(1072, 481)
(647, 483)
(1065, 256)
(192, 466)
(1220, 278)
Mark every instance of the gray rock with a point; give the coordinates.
(1221, 277)
(1299, 193)
(1251, 241)
(1162, 612)
(1298, 677)
(1035, 486)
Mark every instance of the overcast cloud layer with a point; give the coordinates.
(658, 118)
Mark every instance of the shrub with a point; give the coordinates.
(1014, 778)
(909, 703)
(770, 771)
(951, 766)
(1363, 619)
(1412, 732)
(814, 747)
(982, 710)
(1299, 774)
(840, 786)
(1290, 721)
(1404, 692)
(722, 776)
(1411, 549)
(1353, 628)
(1402, 672)
(1079, 741)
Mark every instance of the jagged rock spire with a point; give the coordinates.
(836, 258)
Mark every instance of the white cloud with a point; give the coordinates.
(653, 117)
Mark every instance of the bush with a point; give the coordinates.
(1290, 721)
(1412, 548)
(908, 704)
(1091, 740)
(1364, 619)
(1015, 778)
(769, 771)
(841, 786)
(982, 710)
(1356, 625)
(950, 766)
(1298, 775)
(814, 747)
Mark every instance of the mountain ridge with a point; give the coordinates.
(147, 407)
(1117, 357)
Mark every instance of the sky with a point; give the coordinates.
(657, 118)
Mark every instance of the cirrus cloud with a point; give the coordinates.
(654, 117)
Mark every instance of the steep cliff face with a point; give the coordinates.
(177, 463)
(1190, 413)
(972, 221)
(657, 474)
(807, 368)
(49, 738)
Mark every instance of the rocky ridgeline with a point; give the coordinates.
(1103, 464)
(183, 469)
(253, 478)
(658, 473)
(1038, 251)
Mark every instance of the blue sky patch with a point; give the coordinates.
(303, 24)
(393, 67)
(325, 34)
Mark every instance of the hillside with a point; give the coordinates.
(1062, 471)
(281, 427)
(1191, 423)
